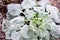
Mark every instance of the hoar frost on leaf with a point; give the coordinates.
(28, 4)
(18, 21)
(24, 31)
(29, 14)
(39, 24)
(14, 9)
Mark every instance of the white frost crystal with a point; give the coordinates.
(18, 21)
(14, 9)
(29, 14)
(28, 4)
(5, 25)
(24, 31)
(15, 35)
(53, 13)
(39, 9)
(44, 2)
(16, 24)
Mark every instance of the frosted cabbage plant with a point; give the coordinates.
(31, 27)
(32, 24)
